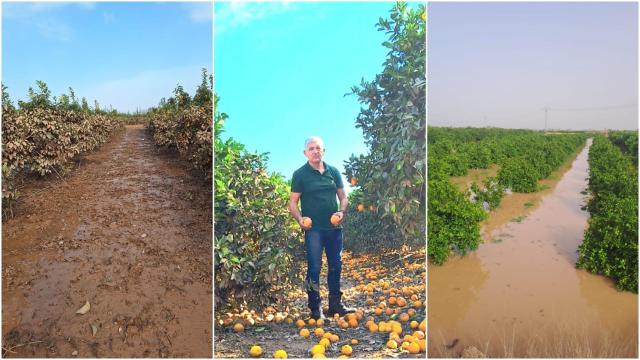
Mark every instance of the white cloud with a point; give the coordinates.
(145, 89)
(16, 10)
(108, 18)
(200, 11)
(24, 10)
(238, 13)
(41, 16)
(86, 5)
(54, 30)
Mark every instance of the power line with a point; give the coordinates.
(608, 107)
(546, 117)
(598, 108)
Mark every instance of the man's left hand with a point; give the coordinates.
(340, 217)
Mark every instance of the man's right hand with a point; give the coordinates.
(305, 223)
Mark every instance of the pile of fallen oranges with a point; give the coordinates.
(392, 315)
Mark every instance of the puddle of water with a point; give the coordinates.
(522, 296)
(82, 232)
(477, 175)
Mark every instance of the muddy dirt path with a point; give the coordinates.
(129, 231)
(520, 294)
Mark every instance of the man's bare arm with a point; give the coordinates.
(344, 201)
(293, 206)
(344, 204)
(293, 209)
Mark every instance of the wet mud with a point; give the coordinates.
(520, 294)
(129, 231)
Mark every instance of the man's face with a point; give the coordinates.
(314, 152)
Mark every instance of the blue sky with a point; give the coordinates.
(499, 64)
(282, 70)
(128, 55)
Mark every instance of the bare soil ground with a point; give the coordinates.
(129, 231)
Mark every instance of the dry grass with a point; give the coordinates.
(557, 341)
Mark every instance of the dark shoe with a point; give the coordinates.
(314, 303)
(316, 314)
(336, 307)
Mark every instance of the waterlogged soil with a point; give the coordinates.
(477, 175)
(514, 207)
(128, 231)
(520, 295)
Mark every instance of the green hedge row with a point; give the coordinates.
(610, 245)
(256, 239)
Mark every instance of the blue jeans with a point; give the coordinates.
(315, 241)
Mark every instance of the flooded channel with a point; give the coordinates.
(520, 295)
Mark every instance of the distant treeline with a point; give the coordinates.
(40, 98)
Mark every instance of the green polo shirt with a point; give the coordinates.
(318, 193)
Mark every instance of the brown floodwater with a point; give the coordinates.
(519, 294)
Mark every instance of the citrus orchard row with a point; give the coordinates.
(43, 135)
(523, 157)
(184, 123)
(610, 245)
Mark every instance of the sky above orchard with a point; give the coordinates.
(128, 55)
(500, 64)
(282, 70)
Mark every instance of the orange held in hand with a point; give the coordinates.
(335, 219)
(306, 221)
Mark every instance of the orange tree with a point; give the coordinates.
(255, 237)
(362, 222)
(610, 245)
(184, 124)
(454, 220)
(392, 175)
(42, 136)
